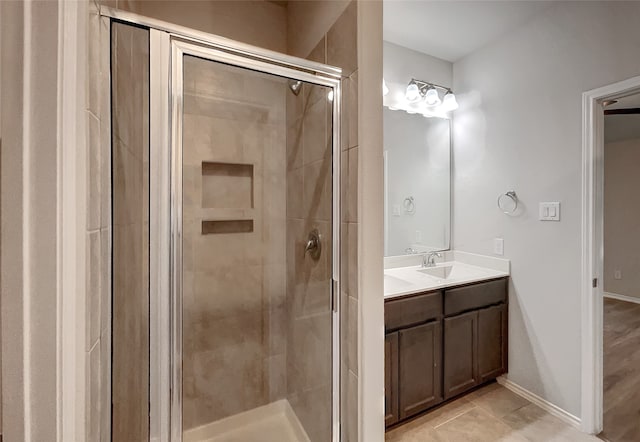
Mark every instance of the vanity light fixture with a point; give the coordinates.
(418, 90)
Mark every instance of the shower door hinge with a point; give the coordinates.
(595, 282)
(334, 295)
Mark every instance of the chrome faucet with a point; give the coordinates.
(429, 259)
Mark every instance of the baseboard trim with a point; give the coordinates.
(621, 297)
(547, 406)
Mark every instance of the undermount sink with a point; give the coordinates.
(440, 272)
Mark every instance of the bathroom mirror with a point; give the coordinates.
(417, 188)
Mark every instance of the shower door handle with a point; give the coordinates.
(314, 246)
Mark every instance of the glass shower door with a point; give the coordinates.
(254, 197)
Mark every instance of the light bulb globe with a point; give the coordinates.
(432, 98)
(413, 92)
(449, 103)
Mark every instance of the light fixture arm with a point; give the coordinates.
(424, 86)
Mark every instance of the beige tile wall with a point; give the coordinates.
(309, 196)
(234, 283)
(338, 47)
(258, 22)
(305, 144)
(130, 168)
(98, 260)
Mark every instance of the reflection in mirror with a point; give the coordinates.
(417, 162)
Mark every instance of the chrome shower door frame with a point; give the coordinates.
(168, 46)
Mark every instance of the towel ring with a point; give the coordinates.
(409, 205)
(503, 202)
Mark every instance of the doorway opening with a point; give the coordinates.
(595, 278)
(621, 277)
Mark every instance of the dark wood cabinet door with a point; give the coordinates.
(460, 353)
(492, 342)
(420, 371)
(391, 415)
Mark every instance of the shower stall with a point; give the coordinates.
(225, 249)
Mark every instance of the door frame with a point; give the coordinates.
(181, 46)
(593, 248)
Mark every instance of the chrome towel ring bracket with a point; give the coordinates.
(508, 202)
(409, 205)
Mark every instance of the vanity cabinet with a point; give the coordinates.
(391, 415)
(441, 344)
(419, 372)
(413, 355)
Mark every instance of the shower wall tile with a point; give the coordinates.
(316, 139)
(351, 415)
(352, 109)
(97, 265)
(342, 41)
(294, 140)
(315, 420)
(94, 390)
(93, 173)
(94, 68)
(352, 260)
(105, 387)
(352, 186)
(319, 53)
(317, 190)
(338, 48)
(352, 334)
(345, 121)
(234, 284)
(130, 334)
(295, 208)
(93, 269)
(223, 367)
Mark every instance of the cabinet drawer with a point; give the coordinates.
(474, 296)
(413, 310)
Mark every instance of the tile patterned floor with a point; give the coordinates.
(489, 414)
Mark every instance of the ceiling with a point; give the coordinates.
(451, 29)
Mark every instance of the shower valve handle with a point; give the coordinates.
(313, 246)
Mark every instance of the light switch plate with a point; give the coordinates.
(498, 246)
(549, 211)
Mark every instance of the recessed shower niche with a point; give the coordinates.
(227, 185)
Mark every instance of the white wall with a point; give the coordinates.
(622, 214)
(519, 127)
(401, 64)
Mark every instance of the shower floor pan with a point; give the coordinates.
(274, 422)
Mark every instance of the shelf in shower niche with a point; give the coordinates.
(227, 226)
(227, 185)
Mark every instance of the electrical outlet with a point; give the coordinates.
(498, 246)
(617, 274)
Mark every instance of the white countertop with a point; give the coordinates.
(406, 276)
